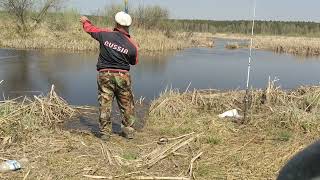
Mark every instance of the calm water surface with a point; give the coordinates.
(27, 72)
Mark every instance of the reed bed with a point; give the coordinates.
(75, 39)
(236, 45)
(20, 116)
(280, 124)
(302, 46)
(272, 102)
(292, 45)
(233, 45)
(183, 137)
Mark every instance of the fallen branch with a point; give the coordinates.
(109, 156)
(167, 151)
(26, 176)
(139, 177)
(103, 152)
(165, 140)
(315, 100)
(130, 174)
(180, 137)
(98, 177)
(160, 178)
(191, 164)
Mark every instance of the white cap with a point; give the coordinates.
(123, 19)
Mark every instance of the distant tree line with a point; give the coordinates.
(157, 17)
(244, 27)
(27, 14)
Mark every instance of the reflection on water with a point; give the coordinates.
(32, 72)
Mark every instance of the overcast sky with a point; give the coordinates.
(292, 10)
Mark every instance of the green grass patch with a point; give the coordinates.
(212, 140)
(284, 135)
(130, 155)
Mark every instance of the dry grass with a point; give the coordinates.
(305, 46)
(20, 116)
(281, 124)
(75, 39)
(183, 138)
(43, 38)
(153, 40)
(293, 45)
(199, 39)
(233, 45)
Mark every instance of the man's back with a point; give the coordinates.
(117, 49)
(117, 53)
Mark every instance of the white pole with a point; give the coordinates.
(249, 63)
(251, 44)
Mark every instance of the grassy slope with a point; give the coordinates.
(66, 33)
(277, 129)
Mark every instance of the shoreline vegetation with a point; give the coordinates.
(64, 31)
(300, 46)
(182, 138)
(150, 41)
(155, 32)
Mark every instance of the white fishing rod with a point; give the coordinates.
(249, 63)
(126, 7)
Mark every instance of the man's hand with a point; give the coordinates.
(83, 19)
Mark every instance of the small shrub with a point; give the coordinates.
(284, 135)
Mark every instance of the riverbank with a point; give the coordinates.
(304, 46)
(182, 137)
(75, 39)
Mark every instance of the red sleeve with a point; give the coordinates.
(93, 30)
(136, 47)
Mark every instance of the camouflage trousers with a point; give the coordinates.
(115, 85)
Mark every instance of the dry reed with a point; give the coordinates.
(76, 39)
(183, 138)
(281, 124)
(20, 117)
(232, 46)
(292, 45)
(305, 46)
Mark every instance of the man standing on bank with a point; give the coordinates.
(117, 52)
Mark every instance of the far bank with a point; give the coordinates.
(74, 38)
(296, 45)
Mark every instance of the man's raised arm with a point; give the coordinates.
(91, 29)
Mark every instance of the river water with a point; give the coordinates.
(30, 72)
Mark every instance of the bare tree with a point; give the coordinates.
(28, 13)
(150, 16)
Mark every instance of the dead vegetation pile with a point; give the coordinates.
(293, 109)
(280, 124)
(22, 115)
(183, 138)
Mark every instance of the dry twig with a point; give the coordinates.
(26, 176)
(167, 151)
(191, 164)
(97, 177)
(159, 178)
